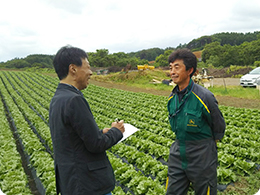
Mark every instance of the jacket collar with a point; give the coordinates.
(188, 88)
(69, 87)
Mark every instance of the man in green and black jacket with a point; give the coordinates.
(198, 124)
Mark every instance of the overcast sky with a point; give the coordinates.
(43, 26)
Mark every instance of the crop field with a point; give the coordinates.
(139, 162)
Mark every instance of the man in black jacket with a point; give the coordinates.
(81, 163)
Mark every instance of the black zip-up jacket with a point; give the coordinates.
(81, 163)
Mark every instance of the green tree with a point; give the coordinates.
(102, 58)
(255, 50)
(99, 59)
(198, 44)
(121, 55)
(213, 60)
(45, 60)
(162, 60)
(223, 38)
(147, 54)
(211, 49)
(244, 54)
(228, 56)
(249, 52)
(17, 63)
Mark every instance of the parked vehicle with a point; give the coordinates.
(251, 79)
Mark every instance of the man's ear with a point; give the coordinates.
(72, 68)
(190, 71)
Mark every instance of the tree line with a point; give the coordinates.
(221, 49)
(218, 55)
(248, 53)
(102, 58)
(224, 38)
(36, 60)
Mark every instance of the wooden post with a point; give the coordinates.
(258, 85)
(225, 84)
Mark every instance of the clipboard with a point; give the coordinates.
(129, 130)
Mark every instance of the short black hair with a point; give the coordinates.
(65, 56)
(189, 59)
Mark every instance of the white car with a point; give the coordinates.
(252, 79)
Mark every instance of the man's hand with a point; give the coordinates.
(119, 125)
(105, 130)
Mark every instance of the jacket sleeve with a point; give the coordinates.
(218, 124)
(84, 124)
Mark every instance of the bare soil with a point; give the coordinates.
(226, 72)
(223, 100)
(226, 81)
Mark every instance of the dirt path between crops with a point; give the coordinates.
(223, 100)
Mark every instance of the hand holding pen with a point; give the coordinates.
(119, 124)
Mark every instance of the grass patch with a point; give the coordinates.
(236, 91)
(140, 79)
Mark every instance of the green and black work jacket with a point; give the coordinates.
(196, 115)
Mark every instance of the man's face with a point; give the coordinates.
(179, 74)
(83, 74)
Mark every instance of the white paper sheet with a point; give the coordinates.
(258, 193)
(1, 193)
(129, 130)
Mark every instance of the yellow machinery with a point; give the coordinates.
(144, 67)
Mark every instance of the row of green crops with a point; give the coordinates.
(12, 175)
(139, 162)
